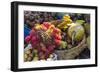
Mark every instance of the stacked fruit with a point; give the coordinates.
(28, 53)
(31, 18)
(44, 39)
(28, 56)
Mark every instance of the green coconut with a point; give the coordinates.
(76, 32)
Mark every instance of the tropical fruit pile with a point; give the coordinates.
(58, 38)
(44, 38)
(31, 18)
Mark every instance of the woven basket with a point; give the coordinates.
(73, 52)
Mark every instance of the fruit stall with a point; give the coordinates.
(56, 36)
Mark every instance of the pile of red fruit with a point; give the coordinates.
(44, 38)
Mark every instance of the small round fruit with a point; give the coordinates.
(57, 42)
(29, 58)
(63, 45)
(27, 39)
(57, 36)
(35, 50)
(35, 59)
(37, 27)
(34, 38)
(43, 27)
(25, 56)
(56, 30)
(77, 30)
(31, 55)
(28, 51)
(46, 24)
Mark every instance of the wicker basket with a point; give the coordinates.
(73, 52)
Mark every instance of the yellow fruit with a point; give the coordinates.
(65, 21)
(38, 26)
(67, 18)
(76, 32)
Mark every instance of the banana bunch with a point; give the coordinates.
(65, 21)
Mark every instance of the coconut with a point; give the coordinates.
(76, 32)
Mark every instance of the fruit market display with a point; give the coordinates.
(32, 18)
(44, 38)
(55, 36)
